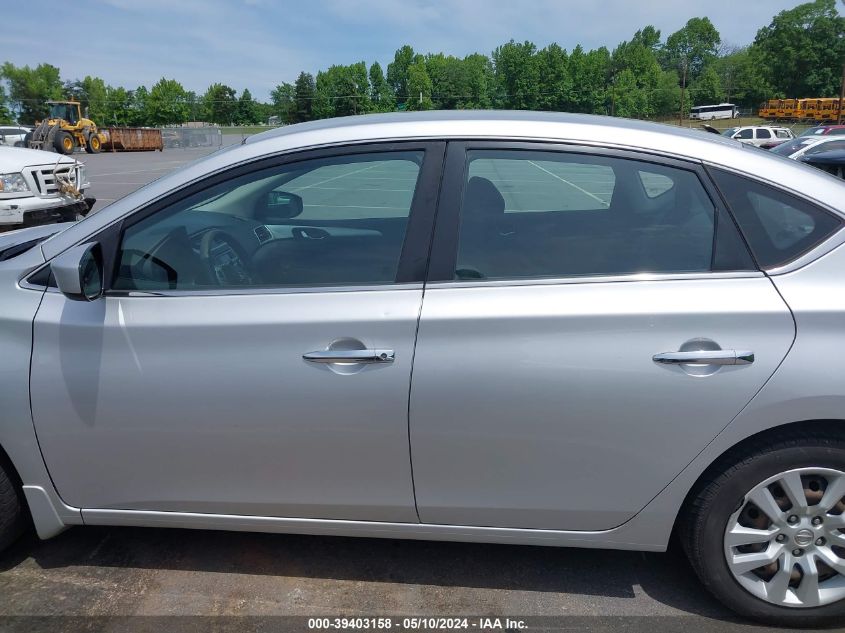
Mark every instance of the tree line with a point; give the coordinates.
(799, 54)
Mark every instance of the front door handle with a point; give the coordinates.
(706, 357)
(350, 356)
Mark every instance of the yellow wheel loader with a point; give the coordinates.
(65, 130)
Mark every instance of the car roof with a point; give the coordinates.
(578, 129)
(473, 123)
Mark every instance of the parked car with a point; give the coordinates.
(824, 130)
(832, 162)
(581, 331)
(31, 188)
(809, 145)
(765, 136)
(13, 136)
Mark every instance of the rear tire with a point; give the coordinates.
(722, 500)
(64, 143)
(12, 515)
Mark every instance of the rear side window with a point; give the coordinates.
(535, 214)
(763, 134)
(778, 226)
(829, 146)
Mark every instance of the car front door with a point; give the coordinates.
(592, 320)
(252, 354)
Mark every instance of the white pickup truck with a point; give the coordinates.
(40, 188)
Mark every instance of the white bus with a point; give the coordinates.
(720, 111)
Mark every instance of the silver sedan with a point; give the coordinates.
(504, 327)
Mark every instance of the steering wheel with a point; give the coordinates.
(224, 259)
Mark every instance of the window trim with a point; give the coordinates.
(447, 225)
(413, 260)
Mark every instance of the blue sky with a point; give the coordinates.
(257, 44)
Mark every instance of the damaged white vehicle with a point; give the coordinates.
(40, 188)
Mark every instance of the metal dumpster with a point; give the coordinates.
(132, 139)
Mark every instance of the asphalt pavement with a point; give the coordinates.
(98, 572)
(114, 175)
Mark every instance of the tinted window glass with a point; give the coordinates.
(321, 222)
(745, 134)
(778, 227)
(763, 134)
(790, 147)
(550, 214)
(826, 147)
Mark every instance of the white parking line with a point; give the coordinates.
(322, 182)
(573, 185)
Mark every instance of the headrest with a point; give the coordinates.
(482, 200)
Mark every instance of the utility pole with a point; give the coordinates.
(841, 96)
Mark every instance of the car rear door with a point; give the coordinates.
(253, 353)
(591, 321)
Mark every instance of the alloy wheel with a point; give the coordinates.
(785, 543)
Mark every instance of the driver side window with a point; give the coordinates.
(323, 222)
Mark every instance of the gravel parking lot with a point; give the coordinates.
(126, 571)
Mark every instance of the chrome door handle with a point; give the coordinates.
(350, 356)
(706, 357)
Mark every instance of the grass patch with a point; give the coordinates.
(246, 130)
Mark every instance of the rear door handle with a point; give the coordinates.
(706, 357)
(350, 356)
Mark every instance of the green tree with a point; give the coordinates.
(743, 77)
(707, 88)
(666, 98)
(648, 37)
(138, 99)
(555, 84)
(802, 50)
(167, 103)
(589, 73)
(627, 97)
(517, 75)
(30, 88)
(397, 73)
(342, 91)
(5, 112)
(282, 102)
(381, 95)
(635, 75)
(691, 48)
(419, 86)
(447, 81)
(478, 82)
(247, 111)
(118, 105)
(95, 98)
(304, 92)
(220, 105)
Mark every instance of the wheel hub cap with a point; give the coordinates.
(785, 544)
(804, 538)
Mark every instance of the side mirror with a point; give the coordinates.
(278, 206)
(79, 272)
